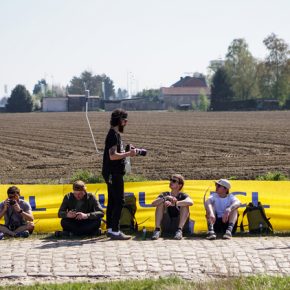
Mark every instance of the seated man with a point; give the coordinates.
(172, 209)
(17, 215)
(80, 212)
(222, 211)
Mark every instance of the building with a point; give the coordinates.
(70, 103)
(185, 93)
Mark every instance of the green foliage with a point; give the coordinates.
(203, 103)
(172, 283)
(242, 71)
(86, 176)
(20, 100)
(221, 89)
(275, 176)
(151, 95)
(276, 73)
(93, 83)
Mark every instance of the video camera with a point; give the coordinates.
(11, 201)
(139, 152)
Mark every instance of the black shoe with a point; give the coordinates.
(59, 234)
(121, 236)
(24, 234)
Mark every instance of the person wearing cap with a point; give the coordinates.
(113, 171)
(172, 209)
(80, 212)
(222, 211)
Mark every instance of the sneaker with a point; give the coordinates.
(211, 235)
(227, 235)
(178, 235)
(1, 236)
(24, 234)
(121, 236)
(156, 235)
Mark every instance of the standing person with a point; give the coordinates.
(222, 211)
(172, 209)
(113, 172)
(17, 215)
(80, 212)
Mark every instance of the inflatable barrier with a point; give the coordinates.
(274, 195)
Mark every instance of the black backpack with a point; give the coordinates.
(128, 220)
(257, 220)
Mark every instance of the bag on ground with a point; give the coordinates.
(257, 220)
(128, 220)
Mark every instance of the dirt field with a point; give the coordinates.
(50, 147)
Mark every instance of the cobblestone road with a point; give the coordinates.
(25, 261)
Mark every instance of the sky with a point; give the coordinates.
(138, 44)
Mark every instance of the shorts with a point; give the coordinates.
(220, 227)
(170, 224)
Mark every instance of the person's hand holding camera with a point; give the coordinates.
(81, 216)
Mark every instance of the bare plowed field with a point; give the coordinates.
(50, 147)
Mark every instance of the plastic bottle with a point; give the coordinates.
(261, 228)
(144, 233)
(128, 165)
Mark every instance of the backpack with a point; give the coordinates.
(128, 220)
(257, 220)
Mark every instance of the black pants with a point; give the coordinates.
(81, 227)
(115, 201)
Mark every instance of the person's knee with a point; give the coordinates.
(30, 227)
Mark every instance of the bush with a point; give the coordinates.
(86, 176)
(275, 175)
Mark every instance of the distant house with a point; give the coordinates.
(70, 103)
(183, 93)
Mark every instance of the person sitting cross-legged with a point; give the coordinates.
(222, 211)
(172, 209)
(80, 212)
(17, 215)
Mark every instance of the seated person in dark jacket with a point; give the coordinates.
(80, 212)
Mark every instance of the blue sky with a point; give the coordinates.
(138, 44)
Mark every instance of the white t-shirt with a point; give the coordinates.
(221, 203)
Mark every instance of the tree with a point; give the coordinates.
(151, 95)
(203, 102)
(40, 87)
(122, 94)
(241, 69)
(221, 89)
(274, 80)
(93, 83)
(20, 100)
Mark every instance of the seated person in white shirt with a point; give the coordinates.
(222, 211)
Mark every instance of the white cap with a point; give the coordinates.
(224, 182)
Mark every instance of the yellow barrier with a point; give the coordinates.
(274, 195)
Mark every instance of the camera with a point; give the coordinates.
(11, 201)
(139, 152)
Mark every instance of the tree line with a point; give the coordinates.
(239, 78)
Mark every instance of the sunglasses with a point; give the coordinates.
(174, 180)
(218, 185)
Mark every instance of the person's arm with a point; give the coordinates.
(210, 210)
(235, 204)
(98, 211)
(62, 212)
(25, 212)
(3, 208)
(185, 202)
(160, 199)
(114, 155)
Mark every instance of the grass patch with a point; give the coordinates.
(274, 176)
(89, 177)
(86, 176)
(173, 283)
